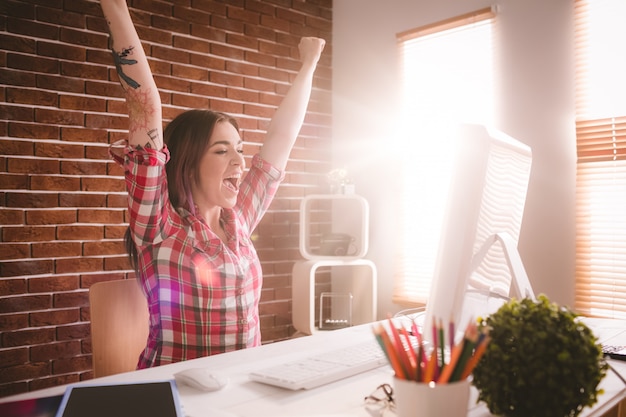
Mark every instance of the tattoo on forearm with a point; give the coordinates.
(120, 58)
(154, 136)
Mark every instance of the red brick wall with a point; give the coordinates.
(62, 202)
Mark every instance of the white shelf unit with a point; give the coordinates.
(349, 215)
(357, 277)
(322, 214)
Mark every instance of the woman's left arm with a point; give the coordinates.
(287, 121)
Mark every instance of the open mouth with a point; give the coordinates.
(232, 182)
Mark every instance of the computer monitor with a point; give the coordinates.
(478, 266)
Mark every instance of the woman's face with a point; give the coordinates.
(221, 168)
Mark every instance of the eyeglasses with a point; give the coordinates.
(380, 402)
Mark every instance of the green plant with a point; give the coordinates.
(541, 361)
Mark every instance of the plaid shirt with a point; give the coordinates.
(203, 294)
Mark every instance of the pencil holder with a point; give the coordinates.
(418, 399)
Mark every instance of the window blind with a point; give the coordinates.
(601, 152)
(447, 77)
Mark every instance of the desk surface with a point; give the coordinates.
(242, 397)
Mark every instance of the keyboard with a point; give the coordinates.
(321, 369)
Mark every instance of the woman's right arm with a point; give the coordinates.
(145, 127)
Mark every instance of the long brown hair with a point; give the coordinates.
(187, 138)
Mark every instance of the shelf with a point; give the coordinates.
(355, 277)
(334, 226)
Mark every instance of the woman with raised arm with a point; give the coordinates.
(192, 208)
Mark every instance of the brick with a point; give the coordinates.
(52, 183)
(54, 317)
(241, 14)
(74, 134)
(102, 57)
(22, 303)
(82, 103)
(12, 251)
(31, 200)
(274, 24)
(34, 97)
(73, 331)
(9, 322)
(226, 51)
(13, 388)
(60, 17)
(53, 283)
(100, 216)
(27, 234)
(73, 364)
(82, 200)
(54, 217)
(103, 248)
(83, 70)
(59, 117)
(32, 28)
(59, 83)
(20, 113)
(20, 9)
(259, 32)
(226, 79)
(170, 55)
(118, 263)
(208, 90)
(208, 32)
(191, 15)
(12, 286)
(106, 121)
(32, 166)
(115, 232)
(116, 200)
(71, 299)
(14, 182)
(31, 63)
(104, 184)
(22, 78)
(191, 44)
(61, 51)
(258, 58)
(42, 383)
(226, 24)
(55, 249)
(190, 73)
(83, 7)
(76, 265)
(172, 84)
(64, 232)
(24, 372)
(190, 101)
(242, 95)
(22, 268)
(74, 167)
(81, 37)
(10, 216)
(166, 23)
(12, 357)
(30, 131)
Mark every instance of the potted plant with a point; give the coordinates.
(541, 361)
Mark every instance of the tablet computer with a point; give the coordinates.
(149, 399)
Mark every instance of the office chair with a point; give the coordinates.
(119, 326)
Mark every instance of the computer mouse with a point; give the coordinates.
(201, 378)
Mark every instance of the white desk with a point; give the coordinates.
(242, 397)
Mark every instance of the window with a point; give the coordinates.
(601, 149)
(447, 77)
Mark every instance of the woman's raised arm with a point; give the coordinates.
(142, 96)
(287, 121)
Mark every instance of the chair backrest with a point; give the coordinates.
(119, 326)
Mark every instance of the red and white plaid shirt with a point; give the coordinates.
(203, 294)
